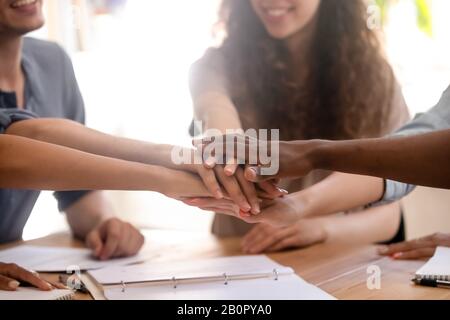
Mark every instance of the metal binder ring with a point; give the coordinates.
(275, 273)
(226, 279)
(175, 282)
(123, 286)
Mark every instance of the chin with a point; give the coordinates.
(279, 34)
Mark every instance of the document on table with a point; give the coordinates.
(35, 294)
(438, 267)
(235, 278)
(52, 259)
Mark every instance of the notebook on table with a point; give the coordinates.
(35, 294)
(438, 267)
(235, 278)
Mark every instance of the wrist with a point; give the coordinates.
(298, 158)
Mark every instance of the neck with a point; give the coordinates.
(10, 62)
(300, 43)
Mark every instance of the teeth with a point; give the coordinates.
(277, 12)
(22, 3)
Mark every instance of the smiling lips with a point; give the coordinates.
(18, 4)
(277, 13)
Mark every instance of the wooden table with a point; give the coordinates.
(339, 270)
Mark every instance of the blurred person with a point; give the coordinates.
(416, 154)
(312, 69)
(44, 148)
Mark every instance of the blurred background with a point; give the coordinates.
(132, 58)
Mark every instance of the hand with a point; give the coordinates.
(265, 190)
(286, 159)
(266, 238)
(281, 212)
(114, 239)
(416, 249)
(11, 275)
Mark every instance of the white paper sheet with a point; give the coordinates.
(50, 259)
(35, 294)
(438, 266)
(290, 287)
(243, 265)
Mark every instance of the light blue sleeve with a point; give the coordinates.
(437, 118)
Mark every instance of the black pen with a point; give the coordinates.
(432, 283)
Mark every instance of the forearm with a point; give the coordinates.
(211, 97)
(419, 160)
(88, 213)
(339, 192)
(370, 226)
(30, 164)
(76, 136)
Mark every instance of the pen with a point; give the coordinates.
(432, 283)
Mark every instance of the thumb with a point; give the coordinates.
(253, 174)
(94, 242)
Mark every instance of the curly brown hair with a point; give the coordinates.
(349, 86)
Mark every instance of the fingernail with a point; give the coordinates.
(244, 214)
(219, 195)
(210, 162)
(283, 191)
(13, 284)
(383, 250)
(397, 255)
(256, 211)
(247, 207)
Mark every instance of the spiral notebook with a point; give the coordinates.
(438, 268)
(235, 278)
(35, 294)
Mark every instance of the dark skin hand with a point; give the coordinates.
(411, 159)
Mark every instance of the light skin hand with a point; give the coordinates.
(281, 212)
(11, 276)
(266, 238)
(295, 158)
(416, 249)
(114, 239)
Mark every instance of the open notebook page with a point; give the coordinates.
(231, 266)
(438, 266)
(287, 287)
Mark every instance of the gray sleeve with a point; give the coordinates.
(73, 100)
(437, 118)
(9, 116)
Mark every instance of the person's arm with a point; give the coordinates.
(31, 164)
(369, 226)
(92, 220)
(419, 160)
(213, 106)
(210, 94)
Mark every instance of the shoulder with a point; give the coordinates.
(44, 53)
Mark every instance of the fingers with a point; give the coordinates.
(12, 273)
(286, 243)
(265, 237)
(231, 167)
(8, 284)
(94, 242)
(415, 254)
(210, 181)
(120, 239)
(406, 246)
(271, 190)
(253, 174)
(249, 191)
(222, 206)
(233, 189)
